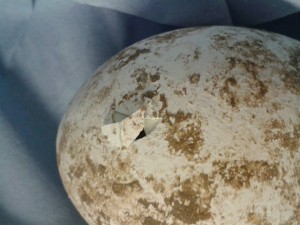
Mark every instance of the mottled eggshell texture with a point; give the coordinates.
(195, 126)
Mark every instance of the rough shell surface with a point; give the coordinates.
(194, 126)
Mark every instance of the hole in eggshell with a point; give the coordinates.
(141, 135)
(149, 125)
(122, 129)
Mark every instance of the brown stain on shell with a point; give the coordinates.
(228, 94)
(126, 56)
(297, 172)
(85, 197)
(288, 140)
(197, 54)
(256, 219)
(188, 204)
(103, 94)
(186, 139)
(128, 96)
(144, 202)
(253, 48)
(154, 77)
(149, 94)
(164, 102)
(251, 55)
(180, 92)
(151, 221)
(258, 89)
(238, 174)
(292, 76)
(194, 78)
(125, 189)
(102, 217)
(159, 186)
(76, 171)
(141, 78)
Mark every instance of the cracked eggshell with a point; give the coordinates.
(220, 111)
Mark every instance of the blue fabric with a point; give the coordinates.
(202, 12)
(48, 48)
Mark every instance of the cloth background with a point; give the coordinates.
(48, 48)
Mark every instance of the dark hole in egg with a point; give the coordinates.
(141, 135)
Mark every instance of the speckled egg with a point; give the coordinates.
(196, 126)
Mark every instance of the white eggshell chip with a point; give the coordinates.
(195, 126)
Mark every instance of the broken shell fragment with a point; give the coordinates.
(194, 126)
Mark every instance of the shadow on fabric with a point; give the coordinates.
(32, 123)
(36, 129)
(285, 26)
(9, 219)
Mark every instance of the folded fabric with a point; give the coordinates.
(202, 12)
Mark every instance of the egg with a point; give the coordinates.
(194, 126)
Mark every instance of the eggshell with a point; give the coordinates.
(194, 126)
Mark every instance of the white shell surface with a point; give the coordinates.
(220, 107)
